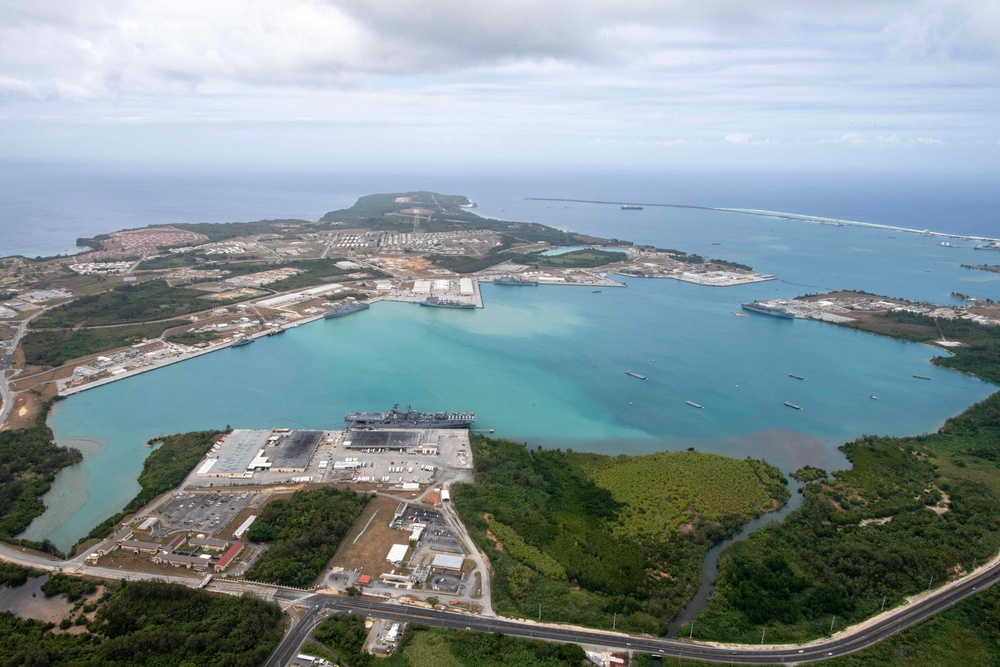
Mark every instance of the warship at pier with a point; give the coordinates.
(767, 309)
(345, 309)
(397, 418)
(438, 302)
(516, 280)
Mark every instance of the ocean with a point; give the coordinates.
(545, 365)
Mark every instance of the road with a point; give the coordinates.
(5, 391)
(849, 641)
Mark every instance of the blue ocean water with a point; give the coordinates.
(546, 364)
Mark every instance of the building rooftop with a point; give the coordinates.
(295, 451)
(238, 449)
(382, 439)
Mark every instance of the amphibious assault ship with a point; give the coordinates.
(410, 419)
(766, 309)
(345, 309)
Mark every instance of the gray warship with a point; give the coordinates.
(395, 418)
(345, 309)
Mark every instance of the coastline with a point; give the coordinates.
(781, 215)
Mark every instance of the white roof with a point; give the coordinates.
(397, 553)
(203, 470)
(448, 562)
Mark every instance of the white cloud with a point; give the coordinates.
(524, 75)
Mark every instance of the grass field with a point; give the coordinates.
(369, 552)
(662, 492)
(589, 537)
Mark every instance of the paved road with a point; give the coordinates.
(295, 637)
(846, 642)
(6, 394)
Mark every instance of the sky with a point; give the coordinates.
(851, 84)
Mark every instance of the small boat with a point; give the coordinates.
(922, 377)
(695, 405)
(873, 397)
(635, 375)
(596, 291)
(739, 314)
(714, 243)
(792, 405)
(795, 377)
(275, 332)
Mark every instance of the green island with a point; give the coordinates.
(144, 623)
(589, 536)
(164, 469)
(911, 512)
(304, 532)
(29, 462)
(341, 640)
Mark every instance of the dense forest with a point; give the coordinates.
(29, 462)
(151, 624)
(304, 532)
(342, 639)
(911, 513)
(590, 536)
(164, 469)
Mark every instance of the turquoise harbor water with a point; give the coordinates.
(547, 364)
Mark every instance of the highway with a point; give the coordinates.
(848, 641)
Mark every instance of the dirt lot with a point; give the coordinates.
(370, 550)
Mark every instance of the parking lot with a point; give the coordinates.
(436, 535)
(447, 583)
(204, 512)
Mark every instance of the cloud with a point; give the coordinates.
(883, 140)
(539, 75)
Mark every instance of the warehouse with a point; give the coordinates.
(383, 440)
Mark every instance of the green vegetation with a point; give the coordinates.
(94, 243)
(587, 536)
(29, 461)
(143, 302)
(304, 532)
(421, 645)
(314, 272)
(163, 470)
(220, 231)
(151, 624)
(579, 259)
(911, 512)
(382, 211)
(172, 260)
(968, 633)
(12, 575)
(810, 474)
(55, 347)
(73, 588)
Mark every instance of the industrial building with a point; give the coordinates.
(382, 440)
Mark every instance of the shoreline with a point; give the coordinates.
(782, 215)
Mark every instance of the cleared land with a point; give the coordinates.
(369, 552)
